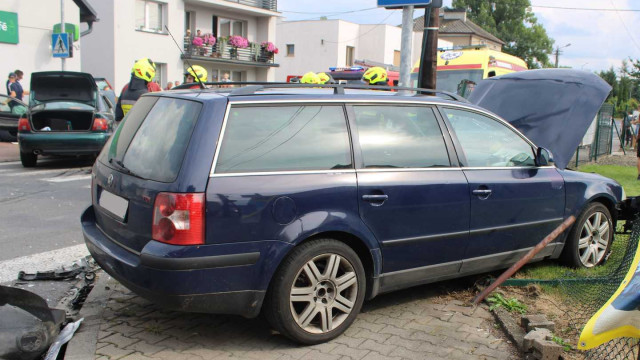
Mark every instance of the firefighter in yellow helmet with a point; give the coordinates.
(193, 74)
(375, 76)
(325, 78)
(310, 78)
(142, 74)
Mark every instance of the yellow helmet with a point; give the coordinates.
(144, 69)
(325, 78)
(375, 75)
(310, 78)
(198, 72)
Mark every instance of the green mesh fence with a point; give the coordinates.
(583, 296)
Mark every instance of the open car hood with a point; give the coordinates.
(552, 107)
(63, 86)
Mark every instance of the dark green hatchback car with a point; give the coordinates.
(67, 115)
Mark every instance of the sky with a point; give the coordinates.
(599, 39)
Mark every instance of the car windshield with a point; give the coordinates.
(62, 105)
(448, 80)
(102, 84)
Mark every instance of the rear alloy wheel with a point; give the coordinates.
(317, 293)
(28, 159)
(590, 239)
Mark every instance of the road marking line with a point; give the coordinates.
(9, 163)
(41, 262)
(68, 178)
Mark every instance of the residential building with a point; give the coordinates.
(132, 29)
(317, 45)
(460, 31)
(25, 36)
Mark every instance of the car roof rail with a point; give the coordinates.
(252, 87)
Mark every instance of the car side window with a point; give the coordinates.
(394, 136)
(487, 142)
(285, 138)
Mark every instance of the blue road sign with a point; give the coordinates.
(60, 45)
(396, 3)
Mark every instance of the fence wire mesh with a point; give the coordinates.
(582, 297)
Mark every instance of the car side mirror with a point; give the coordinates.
(543, 157)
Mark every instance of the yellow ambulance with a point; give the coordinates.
(472, 64)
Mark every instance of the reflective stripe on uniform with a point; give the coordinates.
(126, 105)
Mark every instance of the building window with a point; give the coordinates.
(230, 27)
(396, 58)
(150, 15)
(350, 55)
(161, 75)
(291, 50)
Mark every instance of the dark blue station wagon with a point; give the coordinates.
(302, 204)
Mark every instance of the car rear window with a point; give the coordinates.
(285, 138)
(151, 141)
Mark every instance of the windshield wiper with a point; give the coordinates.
(122, 168)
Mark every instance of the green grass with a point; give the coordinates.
(625, 175)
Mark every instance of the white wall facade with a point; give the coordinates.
(35, 26)
(321, 44)
(115, 43)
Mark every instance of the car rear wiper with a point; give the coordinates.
(120, 166)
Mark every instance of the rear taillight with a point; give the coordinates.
(99, 124)
(23, 125)
(178, 219)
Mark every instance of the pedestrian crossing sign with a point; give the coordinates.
(60, 45)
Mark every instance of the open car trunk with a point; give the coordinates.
(62, 120)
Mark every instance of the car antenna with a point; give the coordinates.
(184, 57)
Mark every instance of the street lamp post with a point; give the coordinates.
(558, 52)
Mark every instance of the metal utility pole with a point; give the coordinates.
(557, 52)
(429, 59)
(62, 27)
(406, 45)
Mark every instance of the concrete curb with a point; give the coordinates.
(510, 326)
(83, 344)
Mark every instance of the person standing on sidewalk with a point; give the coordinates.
(17, 86)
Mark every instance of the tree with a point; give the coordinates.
(513, 22)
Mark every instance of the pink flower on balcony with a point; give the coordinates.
(270, 47)
(197, 41)
(238, 42)
(209, 39)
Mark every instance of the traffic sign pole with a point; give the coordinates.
(62, 24)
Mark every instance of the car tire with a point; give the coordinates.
(28, 160)
(328, 297)
(8, 136)
(590, 238)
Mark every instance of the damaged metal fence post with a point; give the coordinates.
(525, 259)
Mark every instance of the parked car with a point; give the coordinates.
(10, 111)
(66, 116)
(105, 88)
(303, 203)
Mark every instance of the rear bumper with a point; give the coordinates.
(220, 279)
(81, 143)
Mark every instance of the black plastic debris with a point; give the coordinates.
(27, 325)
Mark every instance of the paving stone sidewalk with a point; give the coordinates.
(403, 325)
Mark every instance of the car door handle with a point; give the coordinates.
(481, 192)
(375, 198)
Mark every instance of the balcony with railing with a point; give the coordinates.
(270, 5)
(223, 52)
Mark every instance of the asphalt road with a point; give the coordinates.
(40, 212)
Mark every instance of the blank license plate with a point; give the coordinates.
(114, 204)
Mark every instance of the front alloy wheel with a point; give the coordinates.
(594, 239)
(590, 238)
(321, 300)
